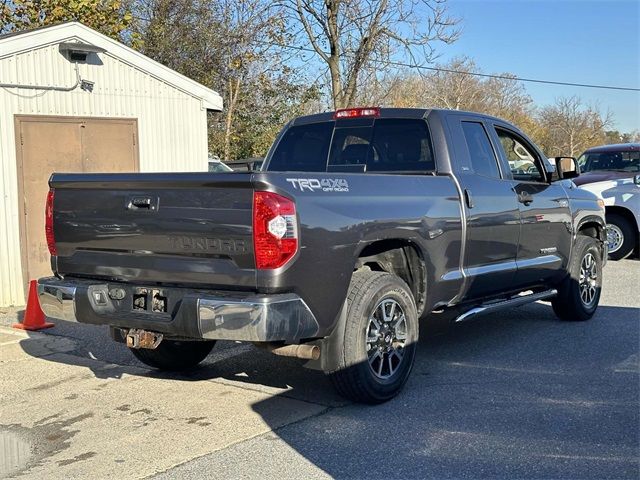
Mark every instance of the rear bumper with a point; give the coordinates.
(206, 314)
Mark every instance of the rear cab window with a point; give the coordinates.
(380, 145)
(303, 148)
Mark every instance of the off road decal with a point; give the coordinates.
(319, 184)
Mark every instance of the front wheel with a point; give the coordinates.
(579, 293)
(174, 355)
(379, 338)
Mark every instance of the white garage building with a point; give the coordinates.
(74, 100)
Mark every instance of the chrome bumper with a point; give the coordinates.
(58, 301)
(214, 315)
(256, 319)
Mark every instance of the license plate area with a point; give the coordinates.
(153, 300)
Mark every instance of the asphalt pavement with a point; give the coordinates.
(517, 394)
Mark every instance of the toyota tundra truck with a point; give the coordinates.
(360, 224)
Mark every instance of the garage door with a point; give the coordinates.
(62, 144)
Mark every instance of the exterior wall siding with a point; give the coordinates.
(172, 129)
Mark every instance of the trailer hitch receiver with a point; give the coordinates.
(137, 338)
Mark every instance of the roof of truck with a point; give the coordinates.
(391, 112)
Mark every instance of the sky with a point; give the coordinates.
(588, 41)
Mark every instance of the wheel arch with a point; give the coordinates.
(400, 257)
(633, 241)
(593, 227)
(623, 212)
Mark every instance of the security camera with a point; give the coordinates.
(87, 85)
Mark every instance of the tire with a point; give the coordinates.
(579, 293)
(174, 355)
(620, 235)
(378, 346)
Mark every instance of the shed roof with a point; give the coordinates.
(15, 43)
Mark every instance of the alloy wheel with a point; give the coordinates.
(386, 337)
(588, 281)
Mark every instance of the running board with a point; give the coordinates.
(512, 302)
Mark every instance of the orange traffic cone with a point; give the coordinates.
(34, 316)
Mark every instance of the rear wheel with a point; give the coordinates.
(174, 355)
(579, 293)
(379, 339)
(621, 238)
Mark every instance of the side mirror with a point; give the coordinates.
(567, 167)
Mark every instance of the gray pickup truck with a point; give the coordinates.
(360, 223)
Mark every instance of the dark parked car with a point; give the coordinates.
(361, 222)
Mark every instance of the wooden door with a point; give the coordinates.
(109, 145)
(63, 144)
(46, 147)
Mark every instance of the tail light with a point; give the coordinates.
(48, 224)
(275, 230)
(357, 112)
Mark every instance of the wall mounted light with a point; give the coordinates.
(78, 52)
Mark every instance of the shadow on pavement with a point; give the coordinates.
(516, 394)
(502, 397)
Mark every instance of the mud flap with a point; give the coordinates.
(331, 347)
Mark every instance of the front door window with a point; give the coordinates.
(523, 161)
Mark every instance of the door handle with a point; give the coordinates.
(140, 203)
(525, 197)
(468, 198)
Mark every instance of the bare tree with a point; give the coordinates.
(351, 35)
(232, 46)
(249, 26)
(507, 98)
(457, 91)
(569, 126)
(457, 87)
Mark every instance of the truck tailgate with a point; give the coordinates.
(188, 228)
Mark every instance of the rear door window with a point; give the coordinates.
(481, 154)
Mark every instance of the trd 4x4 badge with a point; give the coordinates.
(316, 184)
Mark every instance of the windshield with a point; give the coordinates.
(610, 161)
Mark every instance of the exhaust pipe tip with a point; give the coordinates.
(305, 352)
